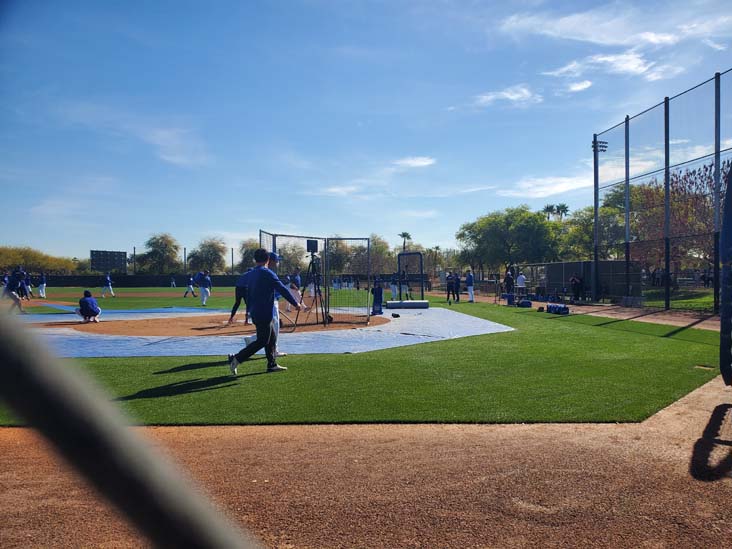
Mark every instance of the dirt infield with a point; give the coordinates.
(665, 482)
(200, 325)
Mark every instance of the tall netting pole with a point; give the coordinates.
(725, 316)
(667, 207)
(596, 235)
(717, 184)
(627, 206)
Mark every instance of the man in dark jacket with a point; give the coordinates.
(261, 285)
(88, 308)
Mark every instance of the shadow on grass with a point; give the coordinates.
(200, 366)
(186, 387)
(690, 325)
(700, 467)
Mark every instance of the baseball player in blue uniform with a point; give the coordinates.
(107, 286)
(190, 289)
(240, 290)
(393, 281)
(262, 284)
(42, 286)
(11, 290)
(88, 308)
(204, 286)
(470, 283)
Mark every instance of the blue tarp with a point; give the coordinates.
(412, 327)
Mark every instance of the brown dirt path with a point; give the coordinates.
(672, 318)
(661, 483)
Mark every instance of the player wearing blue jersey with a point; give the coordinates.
(240, 290)
(107, 286)
(88, 308)
(190, 289)
(262, 284)
(469, 284)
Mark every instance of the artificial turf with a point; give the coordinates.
(550, 369)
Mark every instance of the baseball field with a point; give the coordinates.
(326, 427)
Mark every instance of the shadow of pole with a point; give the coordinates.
(700, 467)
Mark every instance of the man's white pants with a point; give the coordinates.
(205, 293)
(42, 290)
(276, 317)
(394, 291)
(471, 296)
(106, 289)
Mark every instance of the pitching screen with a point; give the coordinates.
(106, 261)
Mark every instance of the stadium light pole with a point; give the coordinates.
(597, 148)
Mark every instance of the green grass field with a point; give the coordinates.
(221, 298)
(692, 299)
(551, 369)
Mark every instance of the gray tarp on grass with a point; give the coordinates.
(413, 326)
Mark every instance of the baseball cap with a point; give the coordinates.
(274, 257)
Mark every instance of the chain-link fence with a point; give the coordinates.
(658, 199)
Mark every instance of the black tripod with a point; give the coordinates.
(313, 276)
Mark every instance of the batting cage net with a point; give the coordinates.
(329, 276)
(348, 279)
(410, 266)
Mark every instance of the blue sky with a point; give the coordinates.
(123, 119)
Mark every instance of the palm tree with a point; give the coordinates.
(561, 210)
(406, 236)
(549, 210)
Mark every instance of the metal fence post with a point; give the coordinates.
(595, 271)
(667, 206)
(717, 185)
(627, 206)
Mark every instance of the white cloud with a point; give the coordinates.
(663, 72)
(175, 145)
(419, 214)
(603, 26)
(714, 45)
(415, 162)
(540, 187)
(623, 25)
(579, 86)
(571, 69)
(630, 62)
(336, 191)
(519, 95)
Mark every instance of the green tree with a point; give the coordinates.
(246, 251)
(382, 258)
(406, 236)
(338, 256)
(34, 261)
(294, 257)
(561, 210)
(161, 255)
(504, 238)
(209, 255)
(548, 211)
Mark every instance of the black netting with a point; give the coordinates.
(348, 278)
(330, 276)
